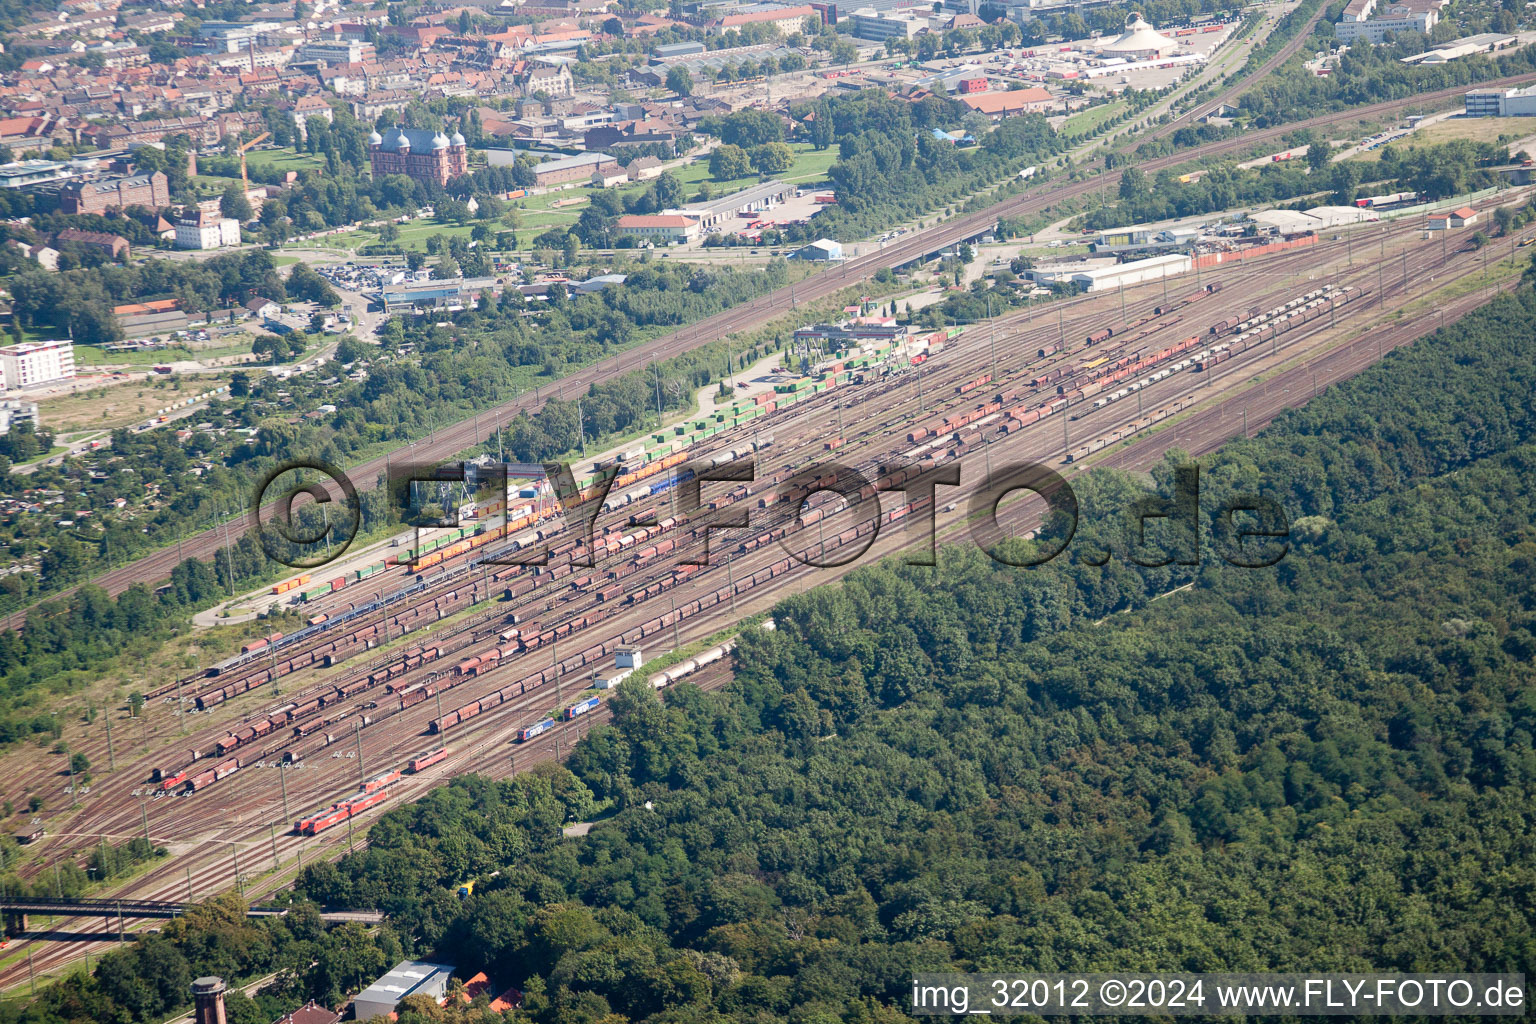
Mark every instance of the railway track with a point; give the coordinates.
(1231, 94)
(232, 818)
(448, 441)
(901, 402)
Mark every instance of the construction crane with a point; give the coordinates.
(245, 179)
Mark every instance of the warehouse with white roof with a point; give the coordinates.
(408, 978)
(1123, 275)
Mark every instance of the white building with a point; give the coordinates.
(626, 661)
(36, 362)
(408, 978)
(233, 36)
(1139, 40)
(1502, 102)
(1133, 273)
(338, 51)
(203, 230)
(1394, 18)
(878, 26)
(14, 412)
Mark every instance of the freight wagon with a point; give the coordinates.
(206, 778)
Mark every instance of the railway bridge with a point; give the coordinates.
(15, 911)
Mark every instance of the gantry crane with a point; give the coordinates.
(245, 179)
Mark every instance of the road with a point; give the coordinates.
(1230, 94)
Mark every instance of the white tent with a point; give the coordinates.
(1138, 40)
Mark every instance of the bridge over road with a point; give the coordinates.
(15, 911)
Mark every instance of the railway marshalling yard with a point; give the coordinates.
(1361, 293)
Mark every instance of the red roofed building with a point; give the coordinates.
(310, 1014)
(998, 105)
(423, 36)
(660, 229)
(788, 19)
(1460, 218)
(22, 134)
(113, 246)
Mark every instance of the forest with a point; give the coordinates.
(80, 301)
(890, 169)
(1324, 765)
(152, 977)
(1438, 171)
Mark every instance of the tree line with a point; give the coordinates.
(974, 766)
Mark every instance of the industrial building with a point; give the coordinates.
(408, 978)
(1483, 42)
(756, 199)
(686, 49)
(457, 293)
(1501, 102)
(1124, 275)
(1123, 240)
(821, 250)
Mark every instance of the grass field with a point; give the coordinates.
(1469, 129)
(538, 213)
(1085, 121)
(283, 160)
(117, 405)
(91, 355)
(1474, 129)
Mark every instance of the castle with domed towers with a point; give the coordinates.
(419, 154)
